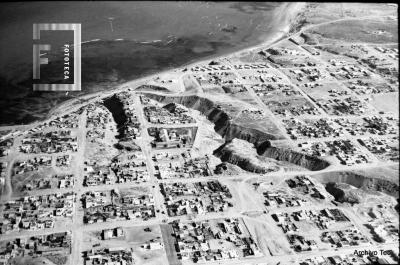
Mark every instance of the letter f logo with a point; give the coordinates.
(37, 60)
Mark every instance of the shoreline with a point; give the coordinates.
(286, 13)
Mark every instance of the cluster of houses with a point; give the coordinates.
(114, 255)
(322, 219)
(131, 172)
(172, 137)
(36, 212)
(383, 66)
(308, 74)
(285, 222)
(370, 125)
(103, 207)
(195, 198)
(5, 146)
(51, 142)
(95, 198)
(344, 238)
(385, 149)
(32, 164)
(68, 121)
(63, 160)
(364, 87)
(65, 181)
(344, 150)
(132, 169)
(347, 153)
(305, 185)
(266, 90)
(280, 199)
(337, 92)
(37, 184)
(36, 246)
(349, 72)
(299, 243)
(252, 66)
(312, 128)
(216, 78)
(190, 168)
(335, 104)
(343, 106)
(260, 77)
(382, 125)
(165, 156)
(98, 174)
(214, 240)
(292, 107)
(62, 182)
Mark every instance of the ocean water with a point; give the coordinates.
(122, 41)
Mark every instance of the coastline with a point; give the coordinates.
(285, 18)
